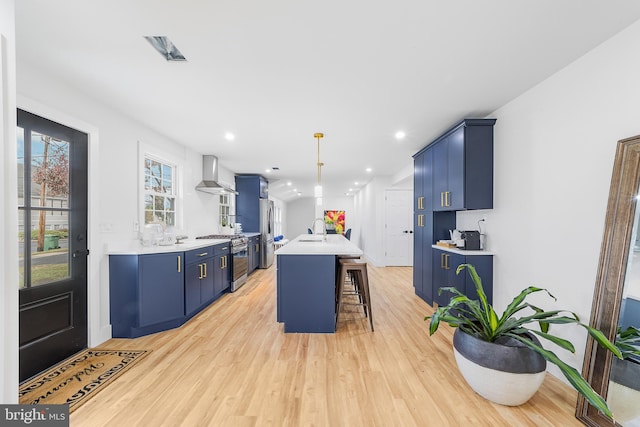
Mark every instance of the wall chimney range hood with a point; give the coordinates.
(209, 183)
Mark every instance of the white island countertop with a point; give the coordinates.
(315, 244)
(136, 248)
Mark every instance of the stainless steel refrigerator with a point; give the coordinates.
(266, 233)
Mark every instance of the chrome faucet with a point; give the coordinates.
(324, 227)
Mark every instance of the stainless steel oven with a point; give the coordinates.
(240, 258)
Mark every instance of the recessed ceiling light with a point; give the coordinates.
(368, 169)
(351, 189)
(166, 48)
(229, 136)
(299, 193)
(356, 183)
(289, 183)
(400, 134)
(267, 170)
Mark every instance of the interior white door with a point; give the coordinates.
(399, 227)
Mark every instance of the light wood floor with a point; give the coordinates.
(233, 366)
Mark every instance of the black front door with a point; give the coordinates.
(52, 205)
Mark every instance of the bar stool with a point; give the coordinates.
(357, 270)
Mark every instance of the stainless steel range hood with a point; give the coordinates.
(209, 183)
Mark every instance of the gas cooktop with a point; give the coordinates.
(221, 236)
(236, 239)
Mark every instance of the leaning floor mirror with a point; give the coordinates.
(616, 302)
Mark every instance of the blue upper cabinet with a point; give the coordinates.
(250, 188)
(463, 167)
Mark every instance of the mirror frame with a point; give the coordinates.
(614, 253)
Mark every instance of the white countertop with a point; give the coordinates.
(336, 244)
(461, 251)
(136, 248)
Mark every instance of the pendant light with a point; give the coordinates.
(317, 190)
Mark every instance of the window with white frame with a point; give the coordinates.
(225, 211)
(159, 191)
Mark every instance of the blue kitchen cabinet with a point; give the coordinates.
(198, 279)
(422, 230)
(454, 172)
(146, 293)
(250, 188)
(463, 166)
(428, 226)
(253, 249)
(445, 264)
(221, 268)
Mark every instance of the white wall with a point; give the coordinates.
(554, 151)
(301, 212)
(370, 208)
(8, 218)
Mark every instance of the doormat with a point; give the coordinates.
(78, 378)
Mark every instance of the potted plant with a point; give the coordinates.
(490, 348)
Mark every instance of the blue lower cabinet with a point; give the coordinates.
(198, 279)
(146, 293)
(445, 264)
(221, 268)
(156, 292)
(253, 251)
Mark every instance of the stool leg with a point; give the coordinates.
(365, 285)
(359, 285)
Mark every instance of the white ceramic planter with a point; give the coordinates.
(505, 374)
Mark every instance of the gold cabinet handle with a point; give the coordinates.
(257, 247)
(442, 198)
(205, 270)
(179, 263)
(200, 266)
(203, 254)
(447, 196)
(447, 262)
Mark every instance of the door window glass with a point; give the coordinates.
(43, 204)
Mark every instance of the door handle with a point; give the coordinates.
(80, 252)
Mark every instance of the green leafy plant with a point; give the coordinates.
(628, 341)
(479, 319)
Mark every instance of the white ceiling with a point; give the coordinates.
(274, 73)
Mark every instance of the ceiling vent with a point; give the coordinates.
(166, 48)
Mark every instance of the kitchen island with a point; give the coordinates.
(306, 279)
